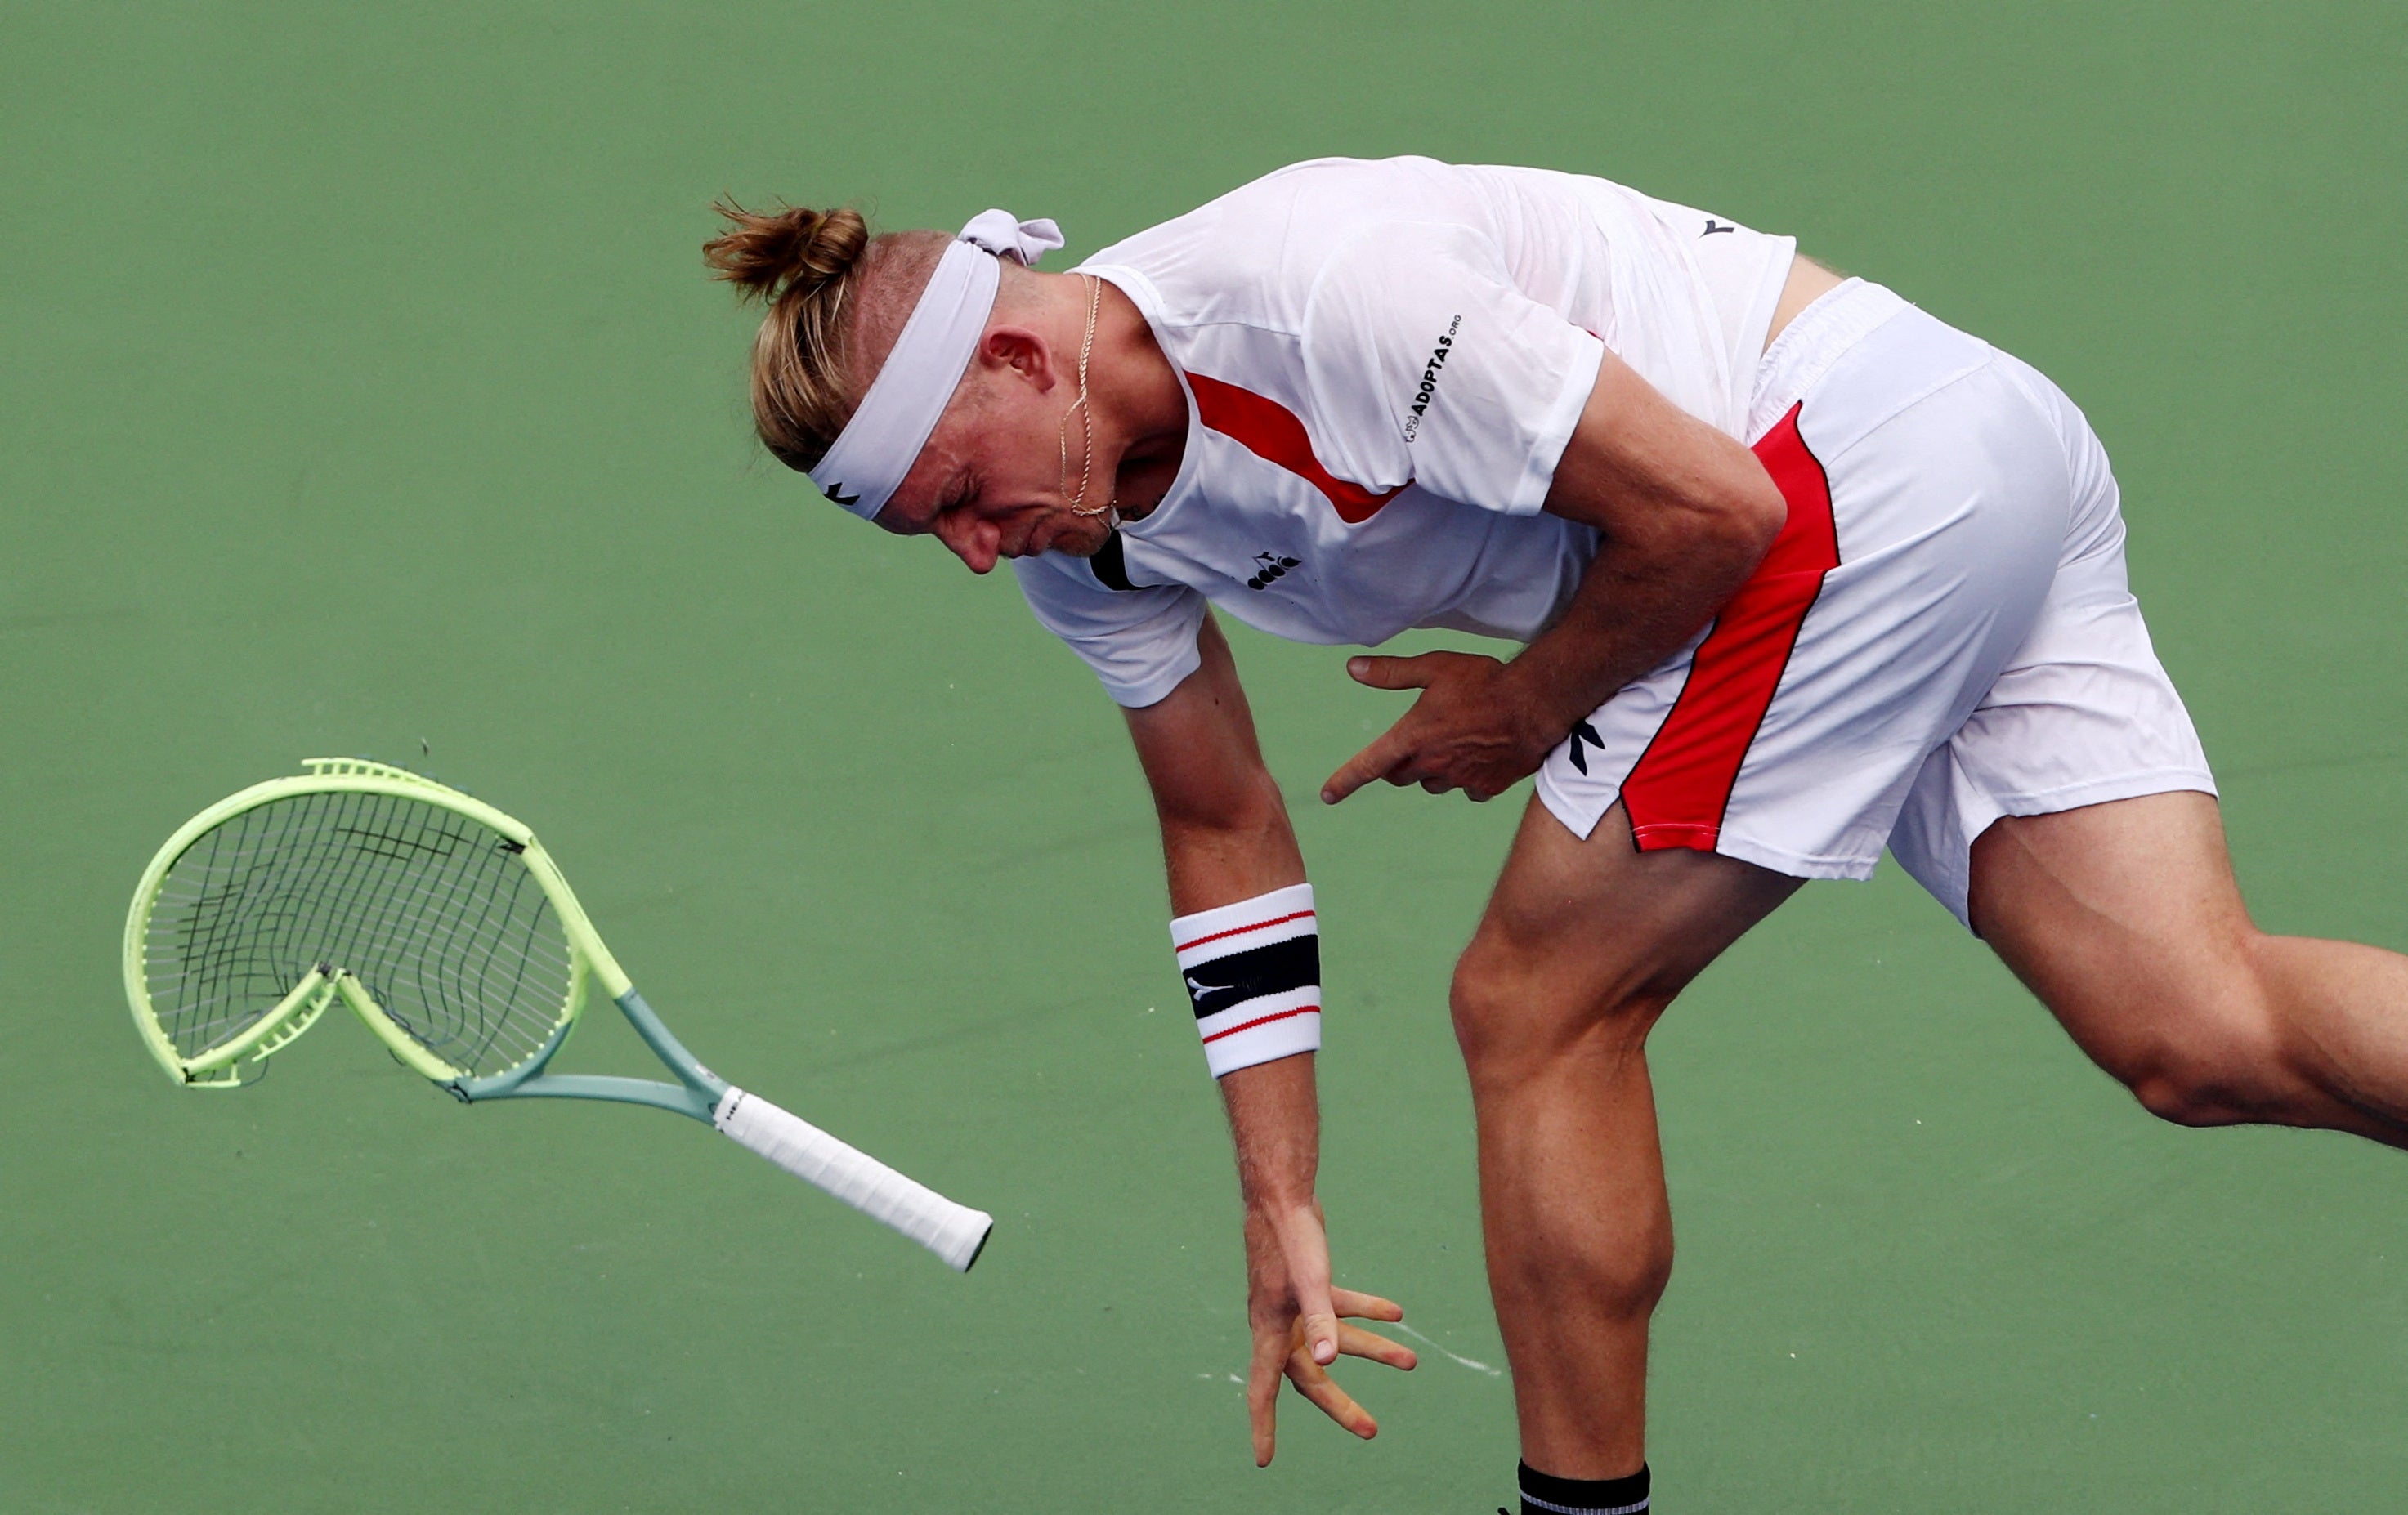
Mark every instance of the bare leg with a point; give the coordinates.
(2125, 920)
(1583, 947)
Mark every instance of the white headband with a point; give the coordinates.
(867, 463)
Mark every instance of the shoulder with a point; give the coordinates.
(1255, 255)
(1395, 265)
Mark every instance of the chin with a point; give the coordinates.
(1084, 540)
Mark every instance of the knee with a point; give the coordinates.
(2213, 1058)
(1480, 1002)
(2187, 1090)
(1515, 1011)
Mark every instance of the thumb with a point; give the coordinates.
(1394, 672)
(1316, 1327)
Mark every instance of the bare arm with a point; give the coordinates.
(1224, 830)
(1226, 838)
(1683, 514)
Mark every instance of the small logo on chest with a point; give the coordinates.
(1270, 567)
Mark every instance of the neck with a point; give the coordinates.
(1136, 396)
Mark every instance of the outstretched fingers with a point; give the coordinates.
(1380, 759)
(1416, 749)
(1262, 1391)
(1298, 1330)
(1356, 1342)
(1357, 1304)
(1316, 1313)
(1305, 1340)
(1377, 760)
(1313, 1381)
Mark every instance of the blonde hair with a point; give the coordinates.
(813, 269)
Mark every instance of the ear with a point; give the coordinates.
(1024, 351)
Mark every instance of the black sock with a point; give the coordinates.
(1544, 1493)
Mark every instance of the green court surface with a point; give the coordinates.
(363, 395)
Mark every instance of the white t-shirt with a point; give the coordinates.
(1384, 361)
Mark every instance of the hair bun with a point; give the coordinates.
(790, 251)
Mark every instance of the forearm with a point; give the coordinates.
(1250, 959)
(1683, 514)
(1246, 851)
(1638, 605)
(1275, 1125)
(1274, 1117)
(1249, 949)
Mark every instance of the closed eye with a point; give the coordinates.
(953, 497)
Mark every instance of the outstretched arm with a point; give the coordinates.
(1683, 514)
(1226, 839)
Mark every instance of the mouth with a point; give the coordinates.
(1039, 539)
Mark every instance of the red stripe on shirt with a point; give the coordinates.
(1301, 1009)
(1270, 432)
(1679, 790)
(1240, 931)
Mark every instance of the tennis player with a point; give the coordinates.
(1800, 572)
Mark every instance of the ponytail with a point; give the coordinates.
(807, 267)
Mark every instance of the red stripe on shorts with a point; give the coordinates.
(1270, 432)
(1678, 790)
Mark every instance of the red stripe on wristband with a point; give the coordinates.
(1240, 931)
(1264, 1020)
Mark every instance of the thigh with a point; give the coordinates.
(2123, 917)
(2083, 714)
(1585, 932)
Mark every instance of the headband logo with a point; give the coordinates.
(836, 491)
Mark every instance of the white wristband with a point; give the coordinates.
(1253, 973)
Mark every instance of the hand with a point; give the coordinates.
(1475, 728)
(1298, 1332)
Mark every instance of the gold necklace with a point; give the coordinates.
(1110, 509)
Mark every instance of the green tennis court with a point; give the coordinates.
(365, 396)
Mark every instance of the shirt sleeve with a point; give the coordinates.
(1425, 363)
(1141, 642)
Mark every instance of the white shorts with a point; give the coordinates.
(1941, 635)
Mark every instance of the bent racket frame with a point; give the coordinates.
(955, 1233)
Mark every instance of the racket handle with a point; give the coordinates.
(953, 1232)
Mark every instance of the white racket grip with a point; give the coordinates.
(953, 1232)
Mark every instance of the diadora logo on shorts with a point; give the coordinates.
(1429, 378)
(1270, 567)
(1583, 732)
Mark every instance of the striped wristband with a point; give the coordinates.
(1253, 970)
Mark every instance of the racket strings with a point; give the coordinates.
(432, 911)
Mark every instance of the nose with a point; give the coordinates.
(977, 543)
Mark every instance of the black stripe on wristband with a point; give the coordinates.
(1224, 982)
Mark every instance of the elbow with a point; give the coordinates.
(1753, 518)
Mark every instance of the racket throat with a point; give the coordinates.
(696, 1095)
(670, 1050)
